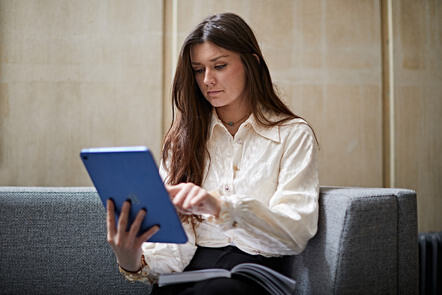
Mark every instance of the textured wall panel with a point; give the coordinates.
(76, 74)
(418, 105)
(325, 59)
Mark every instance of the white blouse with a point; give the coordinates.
(267, 179)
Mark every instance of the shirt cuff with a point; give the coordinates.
(144, 275)
(227, 217)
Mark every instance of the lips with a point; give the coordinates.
(214, 92)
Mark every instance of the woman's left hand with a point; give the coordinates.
(190, 198)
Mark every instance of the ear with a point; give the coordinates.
(257, 57)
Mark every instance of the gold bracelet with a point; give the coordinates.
(143, 263)
(142, 275)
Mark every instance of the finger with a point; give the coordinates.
(110, 220)
(147, 235)
(170, 189)
(184, 212)
(124, 216)
(190, 196)
(174, 189)
(199, 199)
(201, 204)
(181, 195)
(135, 227)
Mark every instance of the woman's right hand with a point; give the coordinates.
(126, 244)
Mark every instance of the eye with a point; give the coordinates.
(198, 71)
(220, 67)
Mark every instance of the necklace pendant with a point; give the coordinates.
(230, 124)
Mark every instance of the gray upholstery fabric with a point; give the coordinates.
(53, 240)
(366, 244)
(408, 253)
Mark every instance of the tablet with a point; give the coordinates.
(130, 173)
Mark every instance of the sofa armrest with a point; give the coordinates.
(366, 244)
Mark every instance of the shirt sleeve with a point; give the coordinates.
(165, 257)
(289, 220)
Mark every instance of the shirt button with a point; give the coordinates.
(239, 141)
(227, 188)
(235, 168)
(234, 224)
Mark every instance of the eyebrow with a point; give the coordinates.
(212, 60)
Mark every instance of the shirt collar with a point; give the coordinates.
(214, 122)
(271, 133)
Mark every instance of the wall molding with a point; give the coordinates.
(388, 112)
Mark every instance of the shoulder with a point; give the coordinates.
(297, 130)
(295, 124)
(290, 125)
(287, 124)
(285, 128)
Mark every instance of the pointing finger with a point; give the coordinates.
(173, 189)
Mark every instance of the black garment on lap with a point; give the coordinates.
(226, 258)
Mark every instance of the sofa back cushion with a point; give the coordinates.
(54, 241)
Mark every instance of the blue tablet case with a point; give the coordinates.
(124, 173)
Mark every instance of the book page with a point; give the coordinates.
(192, 276)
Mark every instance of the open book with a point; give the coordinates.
(274, 282)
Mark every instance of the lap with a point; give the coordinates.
(226, 257)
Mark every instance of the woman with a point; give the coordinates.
(241, 168)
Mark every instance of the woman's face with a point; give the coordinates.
(219, 74)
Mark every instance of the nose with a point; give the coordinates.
(209, 78)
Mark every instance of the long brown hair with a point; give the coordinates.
(185, 142)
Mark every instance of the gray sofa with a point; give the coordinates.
(53, 241)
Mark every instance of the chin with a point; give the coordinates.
(216, 103)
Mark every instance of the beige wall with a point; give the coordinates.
(417, 62)
(76, 74)
(328, 71)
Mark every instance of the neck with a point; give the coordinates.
(233, 117)
(235, 123)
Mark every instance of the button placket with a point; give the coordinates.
(238, 148)
(227, 187)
